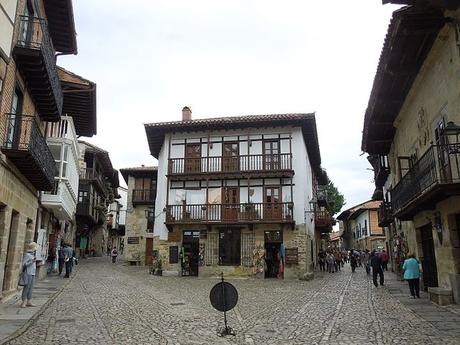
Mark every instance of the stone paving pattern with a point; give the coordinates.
(116, 304)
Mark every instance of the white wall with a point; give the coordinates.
(303, 180)
(362, 220)
(7, 18)
(124, 204)
(160, 202)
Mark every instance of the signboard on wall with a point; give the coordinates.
(133, 240)
(42, 241)
(292, 256)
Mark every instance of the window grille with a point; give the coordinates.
(247, 248)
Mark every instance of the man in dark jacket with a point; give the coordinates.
(61, 258)
(376, 264)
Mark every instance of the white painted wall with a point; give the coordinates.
(7, 18)
(362, 220)
(160, 202)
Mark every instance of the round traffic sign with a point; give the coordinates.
(223, 296)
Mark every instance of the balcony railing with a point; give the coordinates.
(94, 175)
(35, 58)
(323, 220)
(236, 164)
(26, 147)
(63, 129)
(385, 214)
(143, 196)
(430, 179)
(230, 213)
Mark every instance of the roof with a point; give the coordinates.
(138, 171)
(79, 101)
(411, 34)
(61, 25)
(356, 210)
(156, 131)
(449, 4)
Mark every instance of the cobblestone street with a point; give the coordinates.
(117, 304)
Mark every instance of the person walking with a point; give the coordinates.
(29, 267)
(411, 269)
(61, 258)
(114, 254)
(68, 251)
(367, 262)
(322, 260)
(385, 258)
(376, 264)
(353, 261)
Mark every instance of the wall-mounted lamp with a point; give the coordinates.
(437, 224)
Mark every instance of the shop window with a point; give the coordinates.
(230, 247)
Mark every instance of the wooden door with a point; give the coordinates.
(272, 203)
(193, 158)
(148, 251)
(271, 155)
(231, 200)
(230, 157)
(430, 272)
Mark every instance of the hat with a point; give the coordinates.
(31, 247)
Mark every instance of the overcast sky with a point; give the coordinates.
(149, 58)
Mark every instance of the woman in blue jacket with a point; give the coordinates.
(412, 275)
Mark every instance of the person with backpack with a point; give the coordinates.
(385, 258)
(376, 264)
(114, 255)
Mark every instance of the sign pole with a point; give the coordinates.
(225, 302)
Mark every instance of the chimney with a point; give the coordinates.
(186, 114)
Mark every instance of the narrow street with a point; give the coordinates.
(117, 304)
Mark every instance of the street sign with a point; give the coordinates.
(224, 297)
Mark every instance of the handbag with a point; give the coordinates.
(23, 278)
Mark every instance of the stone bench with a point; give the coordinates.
(134, 262)
(440, 296)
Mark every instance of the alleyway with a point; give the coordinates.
(115, 304)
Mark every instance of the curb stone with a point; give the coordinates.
(42, 309)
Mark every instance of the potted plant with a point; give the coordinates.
(159, 268)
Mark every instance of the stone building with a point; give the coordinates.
(97, 190)
(140, 212)
(360, 223)
(37, 124)
(411, 133)
(116, 219)
(235, 189)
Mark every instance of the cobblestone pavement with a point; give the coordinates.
(117, 304)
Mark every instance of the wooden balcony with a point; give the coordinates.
(323, 221)
(279, 165)
(385, 214)
(382, 171)
(432, 178)
(143, 196)
(91, 174)
(26, 147)
(36, 61)
(230, 213)
(321, 196)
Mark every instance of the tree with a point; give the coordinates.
(336, 200)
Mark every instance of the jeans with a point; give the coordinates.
(385, 265)
(27, 290)
(376, 272)
(60, 265)
(414, 286)
(68, 269)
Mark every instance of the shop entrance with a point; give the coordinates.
(273, 242)
(430, 272)
(191, 245)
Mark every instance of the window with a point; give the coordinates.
(365, 227)
(230, 247)
(83, 196)
(65, 155)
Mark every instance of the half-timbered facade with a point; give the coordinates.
(233, 190)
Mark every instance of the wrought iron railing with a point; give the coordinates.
(241, 163)
(33, 34)
(94, 174)
(23, 134)
(144, 195)
(440, 164)
(248, 212)
(385, 214)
